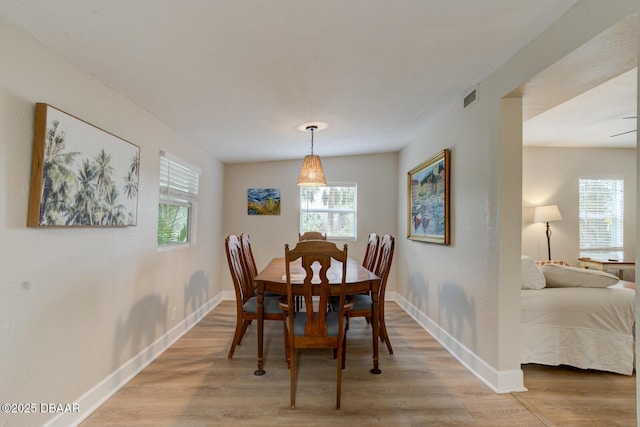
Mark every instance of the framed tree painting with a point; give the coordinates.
(263, 201)
(81, 176)
(428, 200)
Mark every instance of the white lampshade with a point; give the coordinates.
(547, 213)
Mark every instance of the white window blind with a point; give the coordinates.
(601, 210)
(178, 179)
(178, 200)
(331, 210)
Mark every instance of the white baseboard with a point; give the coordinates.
(228, 295)
(498, 381)
(95, 397)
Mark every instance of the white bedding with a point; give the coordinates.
(589, 328)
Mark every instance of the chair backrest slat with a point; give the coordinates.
(371, 253)
(311, 235)
(383, 264)
(247, 253)
(242, 285)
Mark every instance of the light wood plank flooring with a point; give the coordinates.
(194, 384)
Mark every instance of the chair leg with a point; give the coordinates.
(340, 366)
(344, 351)
(385, 337)
(383, 330)
(286, 342)
(241, 328)
(292, 375)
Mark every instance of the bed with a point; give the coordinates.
(577, 317)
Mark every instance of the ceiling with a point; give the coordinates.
(604, 116)
(588, 96)
(242, 77)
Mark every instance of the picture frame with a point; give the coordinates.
(428, 194)
(81, 175)
(263, 201)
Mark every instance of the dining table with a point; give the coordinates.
(359, 280)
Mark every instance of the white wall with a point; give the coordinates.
(375, 176)
(459, 292)
(550, 176)
(77, 304)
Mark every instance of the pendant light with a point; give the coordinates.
(311, 174)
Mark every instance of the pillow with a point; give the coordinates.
(560, 276)
(532, 277)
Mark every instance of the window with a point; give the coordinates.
(601, 210)
(330, 210)
(178, 198)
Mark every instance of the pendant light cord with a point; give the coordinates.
(312, 129)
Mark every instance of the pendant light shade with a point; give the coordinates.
(311, 174)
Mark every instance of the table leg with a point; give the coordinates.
(375, 323)
(260, 297)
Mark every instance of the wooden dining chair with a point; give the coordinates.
(308, 235)
(311, 235)
(246, 299)
(315, 326)
(363, 303)
(370, 254)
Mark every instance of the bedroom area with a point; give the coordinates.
(579, 157)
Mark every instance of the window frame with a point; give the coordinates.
(354, 211)
(606, 251)
(179, 190)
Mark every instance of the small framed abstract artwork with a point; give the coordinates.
(81, 176)
(428, 200)
(263, 201)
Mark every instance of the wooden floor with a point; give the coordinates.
(194, 384)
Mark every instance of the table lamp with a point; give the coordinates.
(547, 213)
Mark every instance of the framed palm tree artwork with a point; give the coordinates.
(81, 176)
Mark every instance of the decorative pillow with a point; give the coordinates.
(560, 276)
(532, 277)
(542, 263)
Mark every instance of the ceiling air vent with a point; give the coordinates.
(471, 98)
